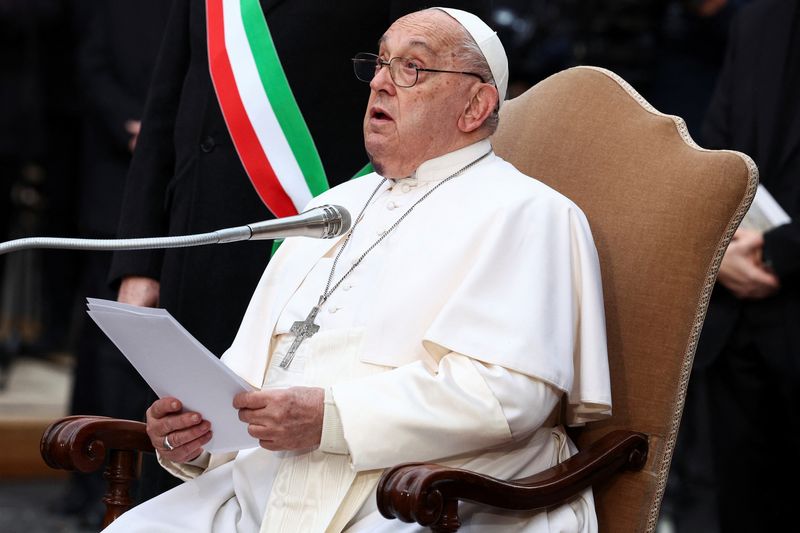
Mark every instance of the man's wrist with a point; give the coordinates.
(200, 460)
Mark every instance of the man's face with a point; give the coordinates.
(404, 127)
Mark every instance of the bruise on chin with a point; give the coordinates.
(377, 166)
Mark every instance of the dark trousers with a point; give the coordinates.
(754, 421)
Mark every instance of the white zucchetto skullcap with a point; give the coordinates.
(488, 42)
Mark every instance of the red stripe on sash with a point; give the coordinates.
(252, 155)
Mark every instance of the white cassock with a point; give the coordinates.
(453, 341)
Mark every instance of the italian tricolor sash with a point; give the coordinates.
(265, 123)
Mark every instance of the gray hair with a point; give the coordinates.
(471, 59)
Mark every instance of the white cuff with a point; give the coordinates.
(201, 461)
(184, 471)
(332, 440)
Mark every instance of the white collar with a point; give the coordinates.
(440, 167)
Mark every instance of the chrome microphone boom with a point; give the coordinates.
(324, 222)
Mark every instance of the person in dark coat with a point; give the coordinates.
(116, 61)
(116, 57)
(186, 176)
(750, 344)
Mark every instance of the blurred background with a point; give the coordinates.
(73, 79)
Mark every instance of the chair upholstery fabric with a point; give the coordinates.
(662, 211)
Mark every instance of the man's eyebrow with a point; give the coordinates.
(412, 44)
(423, 44)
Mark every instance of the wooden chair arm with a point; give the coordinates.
(428, 494)
(81, 442)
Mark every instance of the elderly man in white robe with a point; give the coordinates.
(450, 323)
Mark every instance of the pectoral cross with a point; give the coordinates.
(302, 330)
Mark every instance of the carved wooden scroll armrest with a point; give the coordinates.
(81, 442)
(428, 494)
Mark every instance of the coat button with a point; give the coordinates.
(208, 144)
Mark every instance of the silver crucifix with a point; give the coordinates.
(302, 330)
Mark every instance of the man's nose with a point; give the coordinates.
(383, 80)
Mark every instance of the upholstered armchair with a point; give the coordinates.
(662, 211)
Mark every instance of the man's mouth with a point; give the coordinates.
(379, 114)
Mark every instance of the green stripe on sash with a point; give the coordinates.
(281, 98)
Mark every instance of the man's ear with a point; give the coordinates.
(482, 104)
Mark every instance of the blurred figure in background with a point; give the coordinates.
(546, 36)
(750, 341)
(38, 156)
(539, 37)
(691, 48)
(115, 62)
(620, 35)
(669, 50)
(22, 149)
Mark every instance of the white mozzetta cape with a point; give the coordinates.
(494, 265)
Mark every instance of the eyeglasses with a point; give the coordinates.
(404, 72)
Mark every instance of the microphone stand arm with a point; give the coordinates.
(242, 233)
(324, 222)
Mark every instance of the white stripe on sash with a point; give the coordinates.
(259, 109)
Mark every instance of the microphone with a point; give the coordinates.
(324, 222)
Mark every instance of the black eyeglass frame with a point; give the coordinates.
(376, 60)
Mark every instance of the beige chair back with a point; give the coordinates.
(662, 211)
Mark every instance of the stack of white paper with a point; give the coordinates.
(765, 212)
(175, 364)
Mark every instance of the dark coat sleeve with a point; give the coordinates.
(153, 163)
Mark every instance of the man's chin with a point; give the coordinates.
(388, 167)
(378, 164)
(384, 170)
(377, 167)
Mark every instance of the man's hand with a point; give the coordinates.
(742, 272)
(187, 432)
(133, 127)
(138, 290)
(283, 419)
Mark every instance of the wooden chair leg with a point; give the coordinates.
(448, 522)
(121, 471)
(81, 443)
